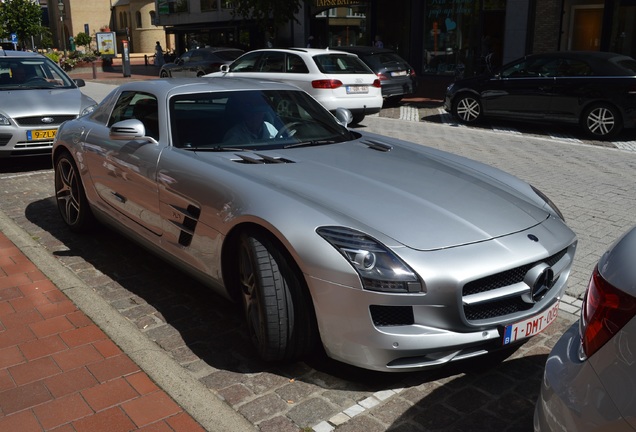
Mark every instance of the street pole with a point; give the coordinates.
(60, 6)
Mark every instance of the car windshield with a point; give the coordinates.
(252, 120)
(341, 64)
(31, 73)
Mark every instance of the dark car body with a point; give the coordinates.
(397, 77)
(200, 61)
(596, 90)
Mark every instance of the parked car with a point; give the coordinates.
(200, 61)
(335, 78)
(590, 375)
(397, 77)
(592, 89)
(36, 96)
(256, 189)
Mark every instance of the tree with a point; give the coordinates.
(83, 39)
(269, 15)
(22, 17)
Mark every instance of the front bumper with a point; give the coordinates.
(445, 322)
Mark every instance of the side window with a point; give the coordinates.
(573, 68)
(247, 63)
(295, 64)
(140, 106)
(185, 58)
(272, 62)
(528, 68)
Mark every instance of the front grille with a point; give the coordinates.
(502, 306)
(37, 120)
(383, 316)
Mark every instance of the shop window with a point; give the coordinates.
(208, 5)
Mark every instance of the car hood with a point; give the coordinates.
(422, 200)
(18, 103)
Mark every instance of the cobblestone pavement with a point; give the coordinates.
(592, 185)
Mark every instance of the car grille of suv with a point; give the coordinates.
(502, 306)
(37, 120)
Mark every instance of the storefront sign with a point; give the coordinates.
(336, 3)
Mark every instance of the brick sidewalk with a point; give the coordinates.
(59, 370)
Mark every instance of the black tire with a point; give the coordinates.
(467, 108)
(601, 121)
(278, 312)
(70, 196)
(164, 74)
(357, 119)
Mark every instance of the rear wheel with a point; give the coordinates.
(278, 311)
(467, 108)
(164, 74)
(601, 121)
(357, 118)
(70, 196)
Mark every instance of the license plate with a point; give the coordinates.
(44, 134)
(531, 326)
(398, 73)
(357, 89)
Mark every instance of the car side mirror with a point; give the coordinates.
(224, 68)
(344, 116)
(80, 82)
(128, 130)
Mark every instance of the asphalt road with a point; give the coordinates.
(593, 185)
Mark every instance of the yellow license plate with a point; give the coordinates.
(43, 134)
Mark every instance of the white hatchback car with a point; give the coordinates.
(336, 79)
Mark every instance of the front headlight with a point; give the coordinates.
(378, 267)
(4, 120)
(549, 202)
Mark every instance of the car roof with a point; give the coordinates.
(365, 50)
(204, 85)
(12, 53)
(602, 62)
(310, 51)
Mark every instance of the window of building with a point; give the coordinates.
(209, 5)
(138, 19)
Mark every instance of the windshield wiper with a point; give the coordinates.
(310, 143)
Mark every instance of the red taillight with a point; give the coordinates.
(606, 310)
(326, 84)
(412, 72)
(376, 83)
(382, 77)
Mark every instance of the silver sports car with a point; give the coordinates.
(391, 255)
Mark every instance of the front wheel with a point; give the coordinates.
(70, 196)
(278, 311)
(164, 74)
(467, 108)
(601, 121)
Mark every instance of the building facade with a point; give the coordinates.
(134, 20)
(441, 37)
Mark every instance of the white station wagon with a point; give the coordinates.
(336, 79)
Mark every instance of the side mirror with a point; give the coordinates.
(80, 82)
(128, 130)
(224, 68)
(344, 116)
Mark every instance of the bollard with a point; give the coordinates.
(146, 59)
(94, 70)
